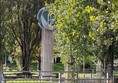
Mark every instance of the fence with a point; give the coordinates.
(56, 77)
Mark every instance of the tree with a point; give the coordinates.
(3, 35)
(0, 47)
(104, 33)
(22, 24)
(89, 27)
(27, 33)
(72, 26)
(72, 32)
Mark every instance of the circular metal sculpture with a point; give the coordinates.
(45, 19)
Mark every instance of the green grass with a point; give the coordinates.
(115, 72)
(58, 67)
(33, 66)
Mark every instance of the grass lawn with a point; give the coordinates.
(57, 67)
(115, 72)
(33, 66)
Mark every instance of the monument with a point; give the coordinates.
(47, 24)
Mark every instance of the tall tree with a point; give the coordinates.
(89, 27)
(3, 35)
(20, 19)
(104, 33)
(0, 46)
(27, 32)
(72, 32)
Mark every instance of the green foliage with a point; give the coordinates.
(90, 26)
(84, 27)
(72, 28)
(19, 27)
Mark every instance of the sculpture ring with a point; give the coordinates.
(45, 20)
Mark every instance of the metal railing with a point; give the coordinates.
(56, 77)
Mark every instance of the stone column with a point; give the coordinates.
(47, 53)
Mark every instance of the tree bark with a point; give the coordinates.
(1, 70)
(25, 50)
(110, 61)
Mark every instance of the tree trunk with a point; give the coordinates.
(110, 61)
(25, 60)
(25, 50)
(105, 67)
(1, 74)
(39, 62)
